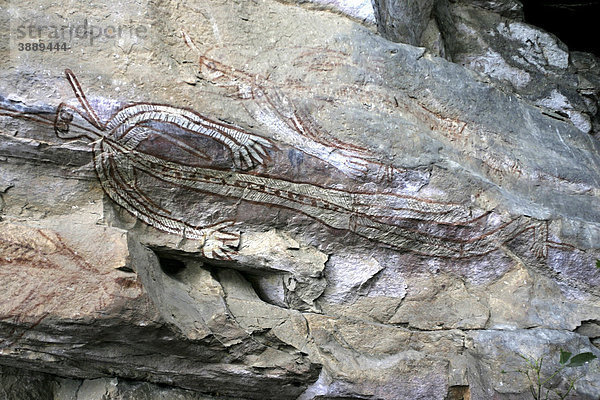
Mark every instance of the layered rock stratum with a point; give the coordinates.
(277, 200)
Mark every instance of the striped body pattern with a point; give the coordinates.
(404, 223)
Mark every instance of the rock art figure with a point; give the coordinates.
(272, 108)
(405, 223)
(122, 152)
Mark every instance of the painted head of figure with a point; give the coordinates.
(71, 123)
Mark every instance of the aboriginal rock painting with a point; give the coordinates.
(126, 148)
(270, 107)
(401, 222)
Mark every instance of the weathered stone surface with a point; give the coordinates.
(491, 38)
(16, 384)
(20, 384)
(402, 21)
(269, 200)
(293, 272)
(441, 304)
(362, 10)
(487, 350)
(530, 61)
(77, 309)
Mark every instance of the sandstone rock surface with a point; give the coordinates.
(270, 200)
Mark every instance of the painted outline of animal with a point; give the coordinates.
(130, 123)
(400, 222)
(268, 105)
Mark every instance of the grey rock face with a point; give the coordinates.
(23, 384)
(402, 21)
(261, 200)
(18, 384)
(491, 38)
(534, 63)
(361, 10)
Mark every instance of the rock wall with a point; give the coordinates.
(271, 200)
(492, 38)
